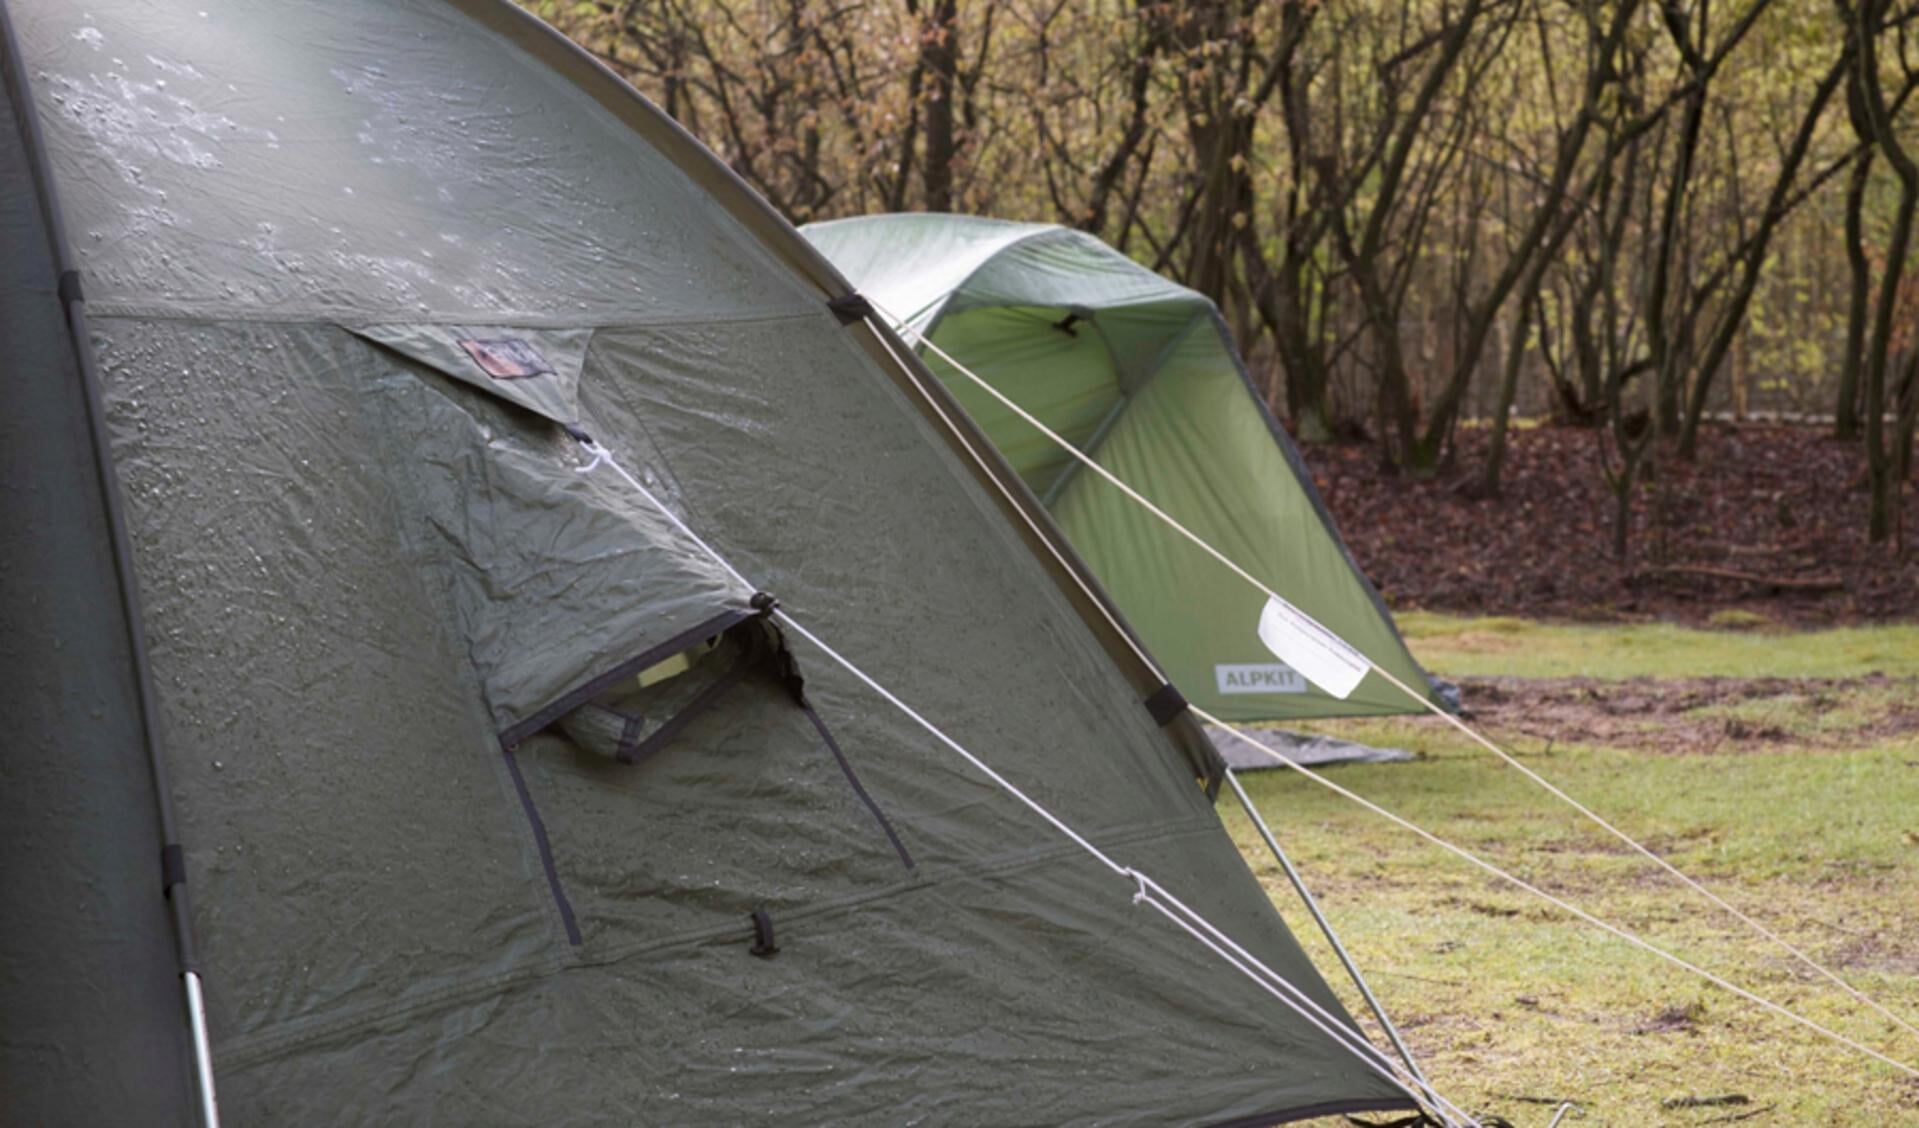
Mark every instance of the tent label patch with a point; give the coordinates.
(1269, 677)
(1298, 640)
(506, 358)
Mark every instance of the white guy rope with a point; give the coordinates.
(1148, 891)
(1556, 902)
(955, 429)
(1352, 968)
(1421, 699)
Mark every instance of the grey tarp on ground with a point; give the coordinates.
(1310, 749)
(367, 568)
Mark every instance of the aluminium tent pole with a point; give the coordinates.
(73, 305)
(1325, 926)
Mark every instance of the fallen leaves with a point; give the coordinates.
(1760, 501)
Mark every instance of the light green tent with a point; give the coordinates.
(1141, 374)
(326, 646)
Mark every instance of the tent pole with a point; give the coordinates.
(202, 1051)
(73, 305)
(1093, 441)
(1071, 469)
(1325, 926)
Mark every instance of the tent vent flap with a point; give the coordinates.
(564, 585)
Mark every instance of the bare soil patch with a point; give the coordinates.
(1699, 715)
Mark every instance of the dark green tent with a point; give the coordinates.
(499, 802)
(1141, 374)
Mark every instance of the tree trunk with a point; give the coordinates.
(1508, 391)
(939, 56)
(1870, 108)
(1779, 204)
(1666, 353)
(1846, 406)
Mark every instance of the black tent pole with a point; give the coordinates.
(172, 860)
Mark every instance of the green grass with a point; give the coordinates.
(1511, 1004)
(1491, 646)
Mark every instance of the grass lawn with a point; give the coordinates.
(1812, 826)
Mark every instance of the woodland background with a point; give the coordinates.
(1433, 225)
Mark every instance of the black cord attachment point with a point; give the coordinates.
(850, 308)
(764, 603)
(577, 435)
(70, 288)
(1166, 704)
(763, 945)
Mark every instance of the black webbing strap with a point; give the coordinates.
(631, 726)
(173, 867)
(763, 945)
(70, 288)
(859, 789)
(1166, 704)
(545, 848)
(850, 308)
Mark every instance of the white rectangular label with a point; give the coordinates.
(1298, 640)
(1271, 677)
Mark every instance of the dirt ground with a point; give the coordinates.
(1781, 503)
(1698, 715)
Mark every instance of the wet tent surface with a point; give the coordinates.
(1140, 374)
(372, 559)
(90, 1017)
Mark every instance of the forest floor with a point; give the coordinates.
(1780, 768)
(1782, 504)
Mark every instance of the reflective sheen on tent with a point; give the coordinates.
(498, 802)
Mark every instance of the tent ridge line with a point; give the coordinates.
(938, 305)
(937, 310)
(265, 1045)
(1200, 303)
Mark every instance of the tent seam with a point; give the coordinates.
(250, 1050)
(350, 317)
(1127, 401)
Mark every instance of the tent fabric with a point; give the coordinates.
(560, 580)
(537, 369)
(379, 583)
(1141, 374)
(91, 1024)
